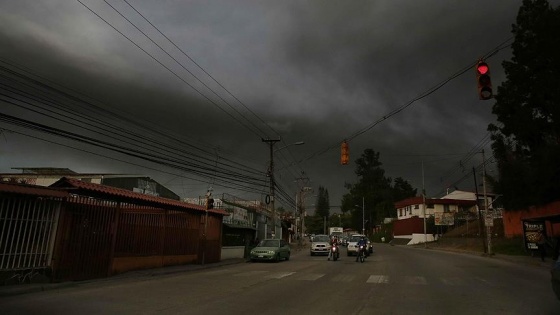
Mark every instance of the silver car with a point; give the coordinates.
(320, 245)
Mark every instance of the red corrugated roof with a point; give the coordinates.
(72, 183)
(32, 190)
(409, 202)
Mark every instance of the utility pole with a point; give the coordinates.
(301, 205)
(480, 217)
(363, 216)
(271, 143)
(424, 206)
(489, 216)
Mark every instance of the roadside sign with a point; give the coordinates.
(489, 220)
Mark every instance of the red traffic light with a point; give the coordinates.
(483, 81)
(482, 68)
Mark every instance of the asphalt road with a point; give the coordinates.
(394, 280)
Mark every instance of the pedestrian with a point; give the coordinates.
(541, 244)
(556, 248)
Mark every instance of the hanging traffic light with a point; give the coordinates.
(483, 81)
(344, 153)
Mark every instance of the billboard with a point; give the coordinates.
(444, 218)
(532, 232)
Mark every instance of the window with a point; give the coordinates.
(416, 206)
(430, 206)
(445, 208)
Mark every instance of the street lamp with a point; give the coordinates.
(363, 216)
(271, 143)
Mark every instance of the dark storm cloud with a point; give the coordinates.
(315, 71)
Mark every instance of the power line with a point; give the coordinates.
(168, 69)
(201, 68)
(401, 108)
(192, 74)
(87, 119)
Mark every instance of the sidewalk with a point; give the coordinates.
(526, 260)
(17, 289)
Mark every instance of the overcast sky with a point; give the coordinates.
(312, 71)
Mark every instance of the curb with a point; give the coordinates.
(19, 289)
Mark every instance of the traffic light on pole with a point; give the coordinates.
(344, 153)
(483, 80)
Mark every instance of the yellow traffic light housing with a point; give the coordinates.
(344, 153)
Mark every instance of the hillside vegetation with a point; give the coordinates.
(467, 237)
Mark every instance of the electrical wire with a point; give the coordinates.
(401, 108)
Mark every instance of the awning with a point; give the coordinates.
(551, 218)
(239, 226)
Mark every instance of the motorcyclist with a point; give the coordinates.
(333, 242)
(361, 242)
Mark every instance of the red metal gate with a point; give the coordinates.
(86, 231)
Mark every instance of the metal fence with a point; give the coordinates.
(28, 228)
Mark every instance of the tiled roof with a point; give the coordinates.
(32, 190)
(429, 201)
(70, 184)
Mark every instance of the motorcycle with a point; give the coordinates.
(335, 254)
(361, 253)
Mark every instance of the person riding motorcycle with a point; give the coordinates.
(361, 242)
(333, 242)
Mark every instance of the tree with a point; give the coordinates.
(526, 143)
(322, 205)
(374, 191)
(402, 189)
(315, 224)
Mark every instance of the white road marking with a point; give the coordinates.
(416, 280)
(310, 276)
(378, 279)
(453, 281)
(343, 278)
(279, 275)
(250, 273)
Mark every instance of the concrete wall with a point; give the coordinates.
(420, 238)
(513, 225)
(229, 252)
(408, 226)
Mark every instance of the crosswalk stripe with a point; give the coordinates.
(372, 279)
(311, 276)
(452, 281)
(218, 272)
(416, 280)
(279, 275)
(250, 273)
(343, 278)
(378, 279)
